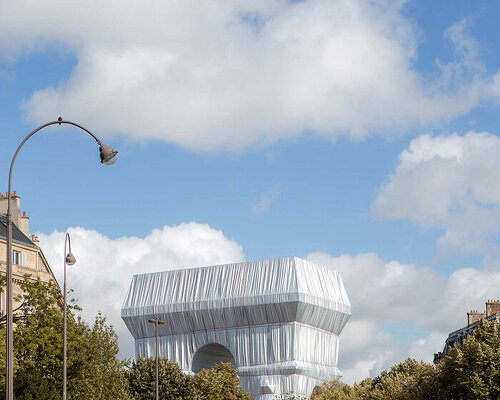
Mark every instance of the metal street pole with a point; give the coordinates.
(108, 156)
(69, 259)
(157, 321)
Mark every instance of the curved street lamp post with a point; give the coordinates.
(108, 156)
(157, 321)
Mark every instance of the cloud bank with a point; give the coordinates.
(104, 268)
(448, 182)
(227, 75)
(389, 298)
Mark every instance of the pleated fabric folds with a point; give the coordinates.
(279, 320)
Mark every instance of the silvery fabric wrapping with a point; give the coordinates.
(278, 321)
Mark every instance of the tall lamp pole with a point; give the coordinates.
(69, 259)
(157, 321)
(108, 156)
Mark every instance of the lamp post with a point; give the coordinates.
(157, 321)
(69, 259)
(108, 156)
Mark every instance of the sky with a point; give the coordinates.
(361, 135)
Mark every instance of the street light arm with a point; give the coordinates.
(68, 239)
(82, 128)
(60, 121)
(108, 156)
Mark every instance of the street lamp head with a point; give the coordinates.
(108, 154)
(70, 259)
(155, 320)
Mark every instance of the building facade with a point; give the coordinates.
(491, 313)
(277, 321)
(27, 257)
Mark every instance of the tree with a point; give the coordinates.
(94, 372)
(98, 373)
(409, 380)
(332, 390)
(220, 383)
(472, 370)
(173, 383)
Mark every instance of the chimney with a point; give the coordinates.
(24, 224)
(474, 316)
(21, 221)
(492, 307)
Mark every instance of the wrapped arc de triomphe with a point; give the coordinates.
(277, 321)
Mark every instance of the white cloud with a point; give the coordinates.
(225, 75)
(266, 199)
(466, 48)
(104, 267)
(365, 349)
(390, 293)
(450, 183)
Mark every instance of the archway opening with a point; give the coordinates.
(209, 355)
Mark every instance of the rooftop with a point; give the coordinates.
(17, 236)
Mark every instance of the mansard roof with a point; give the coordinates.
(17, 235)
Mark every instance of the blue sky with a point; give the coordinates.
(285, 137)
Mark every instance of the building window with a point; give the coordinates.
(19, 258)
(16, 257)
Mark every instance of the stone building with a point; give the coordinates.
(277, 321)
(27, 257)
(491, 313)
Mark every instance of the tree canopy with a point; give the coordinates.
(472, 370)
(219, 383)
(172, 382)
(94, 370)
(469, 371)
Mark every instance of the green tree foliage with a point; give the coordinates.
(472, 370)
(219, 383)
(334, 390)
(409, 380)
(98, 371)
(94, 371)
(469, 372)
(173, 383)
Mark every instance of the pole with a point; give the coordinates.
(10, 319)
(157, 321)
(65, 373)
(156, 356)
